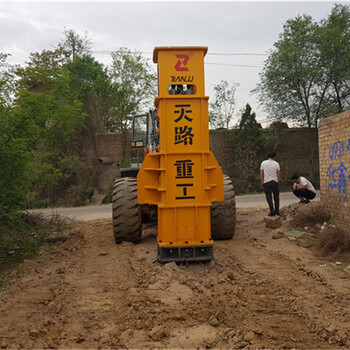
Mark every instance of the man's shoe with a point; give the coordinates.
(302, 201)
(307, 201)
(278, 213)
(271, 214)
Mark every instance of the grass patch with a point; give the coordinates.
(22, 237)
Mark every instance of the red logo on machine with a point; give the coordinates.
(181, 63)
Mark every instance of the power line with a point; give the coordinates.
(7, 65)
(108, 52)
(264, 120)
(210, 63)
(237, 54)
(232, 65)
(208, 54)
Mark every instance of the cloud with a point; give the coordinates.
(223, 27)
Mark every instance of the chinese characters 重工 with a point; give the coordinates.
(184, 170)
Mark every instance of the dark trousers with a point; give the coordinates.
(307, 194)
(270, 188)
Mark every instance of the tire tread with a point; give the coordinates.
(127, 224)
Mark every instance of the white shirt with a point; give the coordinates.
(303, 182)
(270, 168)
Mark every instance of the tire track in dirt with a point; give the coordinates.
(318, 297)
(91, 293)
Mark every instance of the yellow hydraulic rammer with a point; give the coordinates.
(183, 177)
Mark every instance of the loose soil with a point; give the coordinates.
(91, 293)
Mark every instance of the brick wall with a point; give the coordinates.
(297, 153)
(110, 147)
(334, 151)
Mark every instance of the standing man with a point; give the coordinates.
(303, 189)
(269, 178)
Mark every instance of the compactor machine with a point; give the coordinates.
(180, 178)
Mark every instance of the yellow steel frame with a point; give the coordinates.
(183, 178)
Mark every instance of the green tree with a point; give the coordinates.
(41, 71)
(134, 87)
(91, 85)
(292, 84)
(248, 140)
(44, 105)
(6, 81)
(306, 76)
(248, 119)
(14, 151)
(334, 45)
(74, 45)
(222, 109)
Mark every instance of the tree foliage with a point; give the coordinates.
(53, 111)
(44, 103)
(14, 155)
(134, 85)
(222, 109)
(306, 76)
(7, 78)
(334, 45)
(248, 119)
(74, 45)
(91, 85)
(248, 140)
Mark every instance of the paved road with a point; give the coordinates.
(104, 211)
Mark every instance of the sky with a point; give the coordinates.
(236, 28)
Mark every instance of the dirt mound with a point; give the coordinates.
(305, 215)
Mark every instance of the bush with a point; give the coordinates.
(77, 195)
(108, 195)
(14, 157)
(334, 241)
(62, 183)
(22, 237)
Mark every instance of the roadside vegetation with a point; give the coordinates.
(53, 110)
(22, 238)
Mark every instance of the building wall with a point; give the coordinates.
(334, 150)
(111, 145)
(297, 152)
(110, 154)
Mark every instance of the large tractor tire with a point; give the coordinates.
(127, 224)
(223, 214)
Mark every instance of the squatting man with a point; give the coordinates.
(303, 189)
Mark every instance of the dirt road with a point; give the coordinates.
(91, 293)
